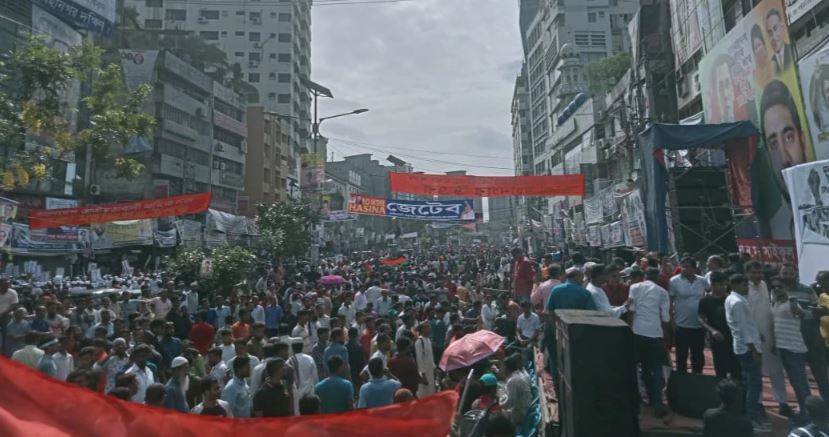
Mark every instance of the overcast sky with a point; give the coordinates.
(437, 75)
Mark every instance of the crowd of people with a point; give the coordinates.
(287, 345)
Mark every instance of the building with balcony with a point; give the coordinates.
(269, 40)
(266, 170)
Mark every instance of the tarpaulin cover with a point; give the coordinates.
(653, 179)
(111, 212)
(487, 186)
(32, 404)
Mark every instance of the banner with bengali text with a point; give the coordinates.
(110, 212)
(431, 209)
(487, 186)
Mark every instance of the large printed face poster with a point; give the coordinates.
(808, 186)
(814, 80)
(750, 75)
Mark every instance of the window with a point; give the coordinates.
(272, 76)
(283, 98)
(154, 3)
(591, 17)
(284, 37)
(601, 14)
(210, 15)
(253, 36)
(272, 56)
(256, 17)
(271, 96)
(254, 56)
(272, 35)
(224, 13)
(242, 13)
(284, 57)
(224, 34)
(175, 14)
(284, 17)
(152, 24)
(273, 14)
(284, 77)
(210, 35)
(240, 33)
(253, 77)
(240, 54)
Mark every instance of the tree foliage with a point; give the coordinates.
(187, 263)
(231, 265)
(33, 85)
(603, 75)
(285, 228)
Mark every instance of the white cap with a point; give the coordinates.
(178, 362)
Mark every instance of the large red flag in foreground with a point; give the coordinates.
(32, 404)
(487, 186)
(111, 212)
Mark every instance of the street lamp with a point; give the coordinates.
(319, 122)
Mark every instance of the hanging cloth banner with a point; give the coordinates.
(393, 261)
(487, 186)
(431, 210)
(74, 411)
(111, 212)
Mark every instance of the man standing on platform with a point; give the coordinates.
(523, 276)
(686, 290)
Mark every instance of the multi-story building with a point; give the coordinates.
(266, 175)
(199, 142)
(522, 145)
(269, 40)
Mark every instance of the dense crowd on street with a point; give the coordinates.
(292, 343)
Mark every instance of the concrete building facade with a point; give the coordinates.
(266, 168)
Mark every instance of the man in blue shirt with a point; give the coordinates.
(273, 316)
(379, 390)
(568, 296)
(335, 392)
(337, 348)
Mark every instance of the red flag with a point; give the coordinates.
(487, 186)
(32, 404)
(393, 262)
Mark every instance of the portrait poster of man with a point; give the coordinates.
(808, 186)
(750, 75)
(814, 81)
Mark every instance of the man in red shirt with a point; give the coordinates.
(523, 276)
(201, 334)
(241, 329)
(367, 337)
(404, 367)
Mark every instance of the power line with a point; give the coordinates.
(369, 145)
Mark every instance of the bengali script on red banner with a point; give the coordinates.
(487, 186)
(110, 212)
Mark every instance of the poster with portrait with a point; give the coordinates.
(808, 186)
(750, 75)
(814, 81)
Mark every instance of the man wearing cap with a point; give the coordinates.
(651, 308)
(143, 374)
(47, 363)
(489, 395)
(176, 389)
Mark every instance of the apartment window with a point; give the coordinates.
(242, 13)
(284, 37)
(240, 54)
(152, 24)
(284, 17)
(591, 17)
(283, 98)
(210, 35)
(240, 33)
(272, 35)
(175, 14)
(272, 76)
(253, 77)
(253, 36)
(210, 15)
(224, 34)
(272, 56)
(271, 96)
(254, 56)
(284, 77)
(256, 17)
(224, 13)
(155, 3)
(273, 14)
(601, 14)
(284, 57)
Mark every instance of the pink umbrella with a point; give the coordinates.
(332, 280)
(470, 349)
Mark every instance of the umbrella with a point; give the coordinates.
(470, 349)
(332, 280)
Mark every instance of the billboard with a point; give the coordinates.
(95, 15)
(313, 171)
(431, 210)
(814, 81)
(366, 205)
(750, 75)
(808, 186)
(138, 67)
(797, 8)
(121, 233)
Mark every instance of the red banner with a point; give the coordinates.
(487, 186)
(394, 261)
(34, 404)
(111, 212)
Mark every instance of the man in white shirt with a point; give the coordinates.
(347, 309)
(747, 345)
(143, 374)
(651, 307)
(528, 324)
(383, 304)
(598, 275)
(162, 303)
(302, 330)
(686, 290)
(305, 373)
(488, 312)
(373, 294)
(360, 300)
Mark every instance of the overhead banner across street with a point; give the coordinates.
(487, 186)
(111, 212)
(433, 210)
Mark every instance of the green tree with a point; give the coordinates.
(603, 75)
(33, 83)
(187, 263)
(231, 265)
(285, 228)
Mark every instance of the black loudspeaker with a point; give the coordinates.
(597, 370)
(701, 211)
(690, 394)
